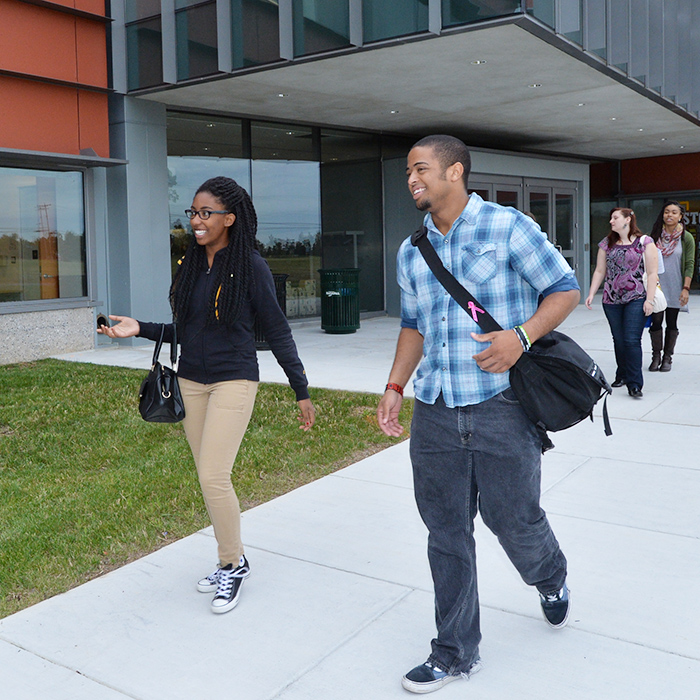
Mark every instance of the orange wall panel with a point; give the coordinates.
(661, 174)
(37, 41)
(41, 117)
(96, 7)
(94, 122)
(92, 53)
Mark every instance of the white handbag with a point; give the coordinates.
(659, 303)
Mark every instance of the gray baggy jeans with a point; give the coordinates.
(485, 456)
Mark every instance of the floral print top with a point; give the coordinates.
(625, 268)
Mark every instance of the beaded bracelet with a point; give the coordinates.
(524, 339)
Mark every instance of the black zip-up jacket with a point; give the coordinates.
(217, 353)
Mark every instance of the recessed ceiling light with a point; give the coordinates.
(535, 85)
(394, 111)
(282, 94)
(581, 104)
(640, 129)
(613, 119)
(478, 62)
(682, 146)
(663, 138)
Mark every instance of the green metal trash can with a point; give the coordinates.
(340, 300)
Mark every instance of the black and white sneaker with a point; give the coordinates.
(228, 589)
(210, 583)
(556, 606)
(428, 677)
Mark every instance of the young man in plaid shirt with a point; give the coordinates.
(472, 445)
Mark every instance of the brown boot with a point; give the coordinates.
(669, 347)
(657, 346)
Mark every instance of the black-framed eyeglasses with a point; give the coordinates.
(203, 214)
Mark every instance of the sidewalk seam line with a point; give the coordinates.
(341, 643)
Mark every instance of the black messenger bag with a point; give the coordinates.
(556, 382)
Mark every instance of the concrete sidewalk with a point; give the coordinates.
(340, 605)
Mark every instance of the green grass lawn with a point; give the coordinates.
(87, 486)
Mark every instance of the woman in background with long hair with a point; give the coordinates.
(623, 257)
(221, 286)
(677, 247)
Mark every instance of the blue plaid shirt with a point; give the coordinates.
(502, 257)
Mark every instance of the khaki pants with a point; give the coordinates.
(217, 416)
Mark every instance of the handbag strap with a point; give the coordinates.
(159, 345)
(462, 296)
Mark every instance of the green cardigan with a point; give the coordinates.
(688, 256)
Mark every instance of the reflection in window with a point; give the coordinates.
(42, 235)
(320, 25)
(196, 41)
(543, 10)
(353, 235)
(199, 148)
(255, 32)
(286, 195)
(385, 19)
(140, 9)
(145, 55)
(463, 11)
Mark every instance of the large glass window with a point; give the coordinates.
(196, 40)
(42, 235)
(385, 19)
(199, 148)
(463, 11)
(320, 25)
(543, 10)
(352, 232)
(145, 52)
(299, 178)
(287, 197)
(255, 32)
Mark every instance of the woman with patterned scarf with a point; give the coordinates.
(678, 250)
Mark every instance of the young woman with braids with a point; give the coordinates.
(678, 250)
(222, 285)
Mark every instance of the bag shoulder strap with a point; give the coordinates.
(159, 345)
(463, 297)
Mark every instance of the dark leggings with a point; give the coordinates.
(657, 320)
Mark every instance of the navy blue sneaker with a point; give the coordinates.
(556, 606)
(428, 677)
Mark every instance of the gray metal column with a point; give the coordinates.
(139, 227)
(168, 40)
(223, 35)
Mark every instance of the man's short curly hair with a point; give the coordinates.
(449, 150)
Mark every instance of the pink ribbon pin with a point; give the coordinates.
(474, 308)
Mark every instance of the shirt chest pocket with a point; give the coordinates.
(479, 262)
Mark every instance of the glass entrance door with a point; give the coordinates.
(554, 207)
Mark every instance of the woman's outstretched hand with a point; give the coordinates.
(307, 415)
(125, 327)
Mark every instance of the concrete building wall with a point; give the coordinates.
(39, 334)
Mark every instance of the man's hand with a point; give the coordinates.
(502, 354)
(388, 413)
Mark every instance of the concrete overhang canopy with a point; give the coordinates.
(509, 86)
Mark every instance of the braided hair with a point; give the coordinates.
(234, 276)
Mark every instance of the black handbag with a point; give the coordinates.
(160, 400)
(556, 382)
